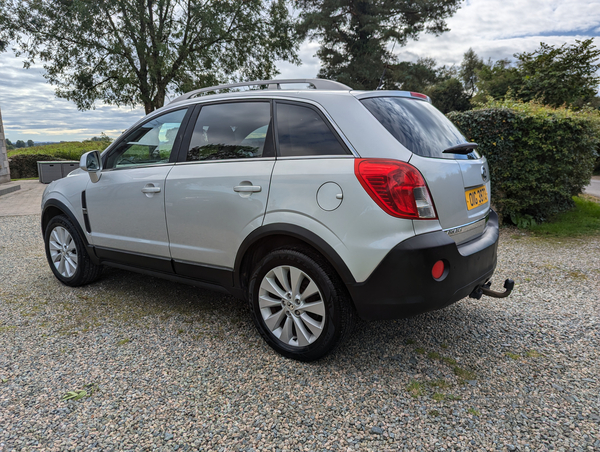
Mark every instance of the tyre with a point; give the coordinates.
(66, 253)
(299, 304)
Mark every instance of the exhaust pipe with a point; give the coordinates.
(479, 291)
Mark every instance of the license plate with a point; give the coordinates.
(476, 197)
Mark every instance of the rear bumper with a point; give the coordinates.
(402, 284)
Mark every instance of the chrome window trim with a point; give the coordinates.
(247, 159)
(138, 166)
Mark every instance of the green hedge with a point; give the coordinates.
(25, 165)
(539, 157)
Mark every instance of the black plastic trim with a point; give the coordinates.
(168, 276)
(86, 218)
(65, 210)
(299, 233)
(161, 264)
(402, 284)
(207, 273)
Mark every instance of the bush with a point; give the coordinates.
(23, 162)
(25, 165)
(539, 157)
(71, 150)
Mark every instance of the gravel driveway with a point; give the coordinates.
(171, 367)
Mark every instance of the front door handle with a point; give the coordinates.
(247, 188)
(150, 188)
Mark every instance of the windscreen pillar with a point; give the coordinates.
(4, 169)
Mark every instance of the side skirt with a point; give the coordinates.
(219, 279)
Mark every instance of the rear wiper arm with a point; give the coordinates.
(462, 148)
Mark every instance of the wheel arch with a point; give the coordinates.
(267, 238)
(53, 208)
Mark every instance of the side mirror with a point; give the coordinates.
(92, 163)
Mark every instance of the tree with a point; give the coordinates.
(131, 52)
(468, 71)
(20, 144)
(354, 34)
(560, 75)
(30, 143)
(496, 79)
(409, 76)
(449, 95)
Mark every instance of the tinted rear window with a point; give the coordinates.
(303, 132)
(418, 125)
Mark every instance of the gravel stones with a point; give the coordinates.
(178, 368)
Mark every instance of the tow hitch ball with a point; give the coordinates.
(477, 293)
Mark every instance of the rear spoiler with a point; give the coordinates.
(462, 148)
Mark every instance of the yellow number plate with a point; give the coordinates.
(476, 197)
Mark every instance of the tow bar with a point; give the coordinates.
(478, 292)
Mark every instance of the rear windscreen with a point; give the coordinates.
(418, 125)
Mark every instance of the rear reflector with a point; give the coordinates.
(397, 187)
(438, 270)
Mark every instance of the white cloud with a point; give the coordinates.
(500, 28)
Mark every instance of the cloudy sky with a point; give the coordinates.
(493, 28)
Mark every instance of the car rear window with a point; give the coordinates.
(418, 125)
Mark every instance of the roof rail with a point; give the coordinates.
(317, 83)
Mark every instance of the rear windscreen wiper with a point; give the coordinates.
(462, 148)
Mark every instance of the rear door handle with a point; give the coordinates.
(150, 189)
(247, 188)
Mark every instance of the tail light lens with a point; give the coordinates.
(397, 187)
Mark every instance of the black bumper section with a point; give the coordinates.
(402, 284)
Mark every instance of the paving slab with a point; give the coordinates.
(5, 189)
(26, 201)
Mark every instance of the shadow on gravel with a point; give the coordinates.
(453, 342)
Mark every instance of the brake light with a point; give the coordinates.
(397, 187)
(419, 95)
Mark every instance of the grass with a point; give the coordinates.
(463, 373)
(584, 219)
(71, 150)
(474, 412)
(415, 388)
(87, 391)
(513, 355)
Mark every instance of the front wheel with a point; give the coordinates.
(66, 253)
(299, 305)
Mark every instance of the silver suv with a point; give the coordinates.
(315, 205)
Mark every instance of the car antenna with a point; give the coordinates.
(384, 69)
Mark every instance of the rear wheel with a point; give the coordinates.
(299, 305)
(66, 253)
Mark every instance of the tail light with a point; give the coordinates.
(397, 187)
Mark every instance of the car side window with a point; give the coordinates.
(302, 131)
(149, 144)
(231, 131)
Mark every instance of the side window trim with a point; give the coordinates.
(323, 118)
(191, 124)
(176, 144)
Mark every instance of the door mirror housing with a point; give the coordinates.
(92, 163)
